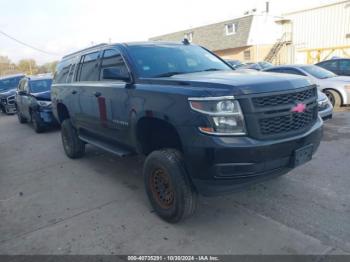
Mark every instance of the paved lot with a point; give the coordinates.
(50, 204)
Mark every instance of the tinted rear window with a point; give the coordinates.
(88, 68)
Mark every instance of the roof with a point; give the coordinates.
(291, 66)
(314, 8)
(40, 77)
(11, 76)
(213, 36)
(143, 43)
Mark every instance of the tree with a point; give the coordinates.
(6, 66)
(48, 67)
(28, 66)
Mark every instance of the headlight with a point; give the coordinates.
(224, 114)
(44, 103)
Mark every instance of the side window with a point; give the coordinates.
(112, 58)
(26, 87)
(88, 67)
(344, 65)
(330, 65)
(71, 73)
(62, 70)
(20, 86)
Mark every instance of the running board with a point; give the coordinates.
(114, 149)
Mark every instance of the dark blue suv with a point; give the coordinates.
(203, 127)
(8, 85)
(33, 102)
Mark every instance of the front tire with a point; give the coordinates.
(21, 119)
(73, 146)
(37, 123)
(334, 97)
(168, 186)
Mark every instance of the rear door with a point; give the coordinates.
(88, 92)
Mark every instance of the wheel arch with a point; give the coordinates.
(153, 133)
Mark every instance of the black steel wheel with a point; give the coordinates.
(168, 185)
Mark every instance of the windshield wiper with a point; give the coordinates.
(210, 69)
(167, 74)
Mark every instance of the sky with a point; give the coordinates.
(63, 26)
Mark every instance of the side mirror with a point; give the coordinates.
(114, 73)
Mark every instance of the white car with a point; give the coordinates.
(337, 88)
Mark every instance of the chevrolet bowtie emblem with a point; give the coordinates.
(299, 108)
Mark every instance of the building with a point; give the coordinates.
(248, 38)
(317, 34)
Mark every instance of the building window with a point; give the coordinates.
(246, 55)
(189, 36)
(230, 29)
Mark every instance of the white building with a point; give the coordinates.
(318, 33)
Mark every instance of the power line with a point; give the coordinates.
(27, 45)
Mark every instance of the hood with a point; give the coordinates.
(345, 79)
(43, 95)
(341, 80)
(238, 82)
(8, 92)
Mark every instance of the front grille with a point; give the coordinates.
(284, 99)
(11, 100)
(286, 123)
(272, 117)
(3, 100)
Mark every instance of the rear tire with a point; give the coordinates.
(334, 97)
(168, 186)
(73, 146)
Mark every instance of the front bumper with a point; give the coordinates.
(325, 109)
(326, 113)
(219, 165)
(9, 108)
(47, 116)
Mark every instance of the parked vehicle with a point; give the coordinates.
(337, 88)
(235, 63)
(259, 66)
(339, 66)
(8, 85)
(33, 102)
(203, 127)
(325, 107)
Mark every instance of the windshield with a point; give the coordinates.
(9, 83)
(318, 72)
(38, 86)
(168, 60)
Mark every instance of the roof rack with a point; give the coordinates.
(85, 49)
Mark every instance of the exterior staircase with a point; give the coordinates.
(276, 48)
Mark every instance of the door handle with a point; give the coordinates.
(97, 94)
(74, 92)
